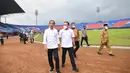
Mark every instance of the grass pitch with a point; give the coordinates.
(117, 37)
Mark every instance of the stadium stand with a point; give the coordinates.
(59, 27)
(127, 24)
(120, 23)
(94, 26)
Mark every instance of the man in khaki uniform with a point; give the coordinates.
(105, 41)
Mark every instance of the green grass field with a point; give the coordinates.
(116, 36)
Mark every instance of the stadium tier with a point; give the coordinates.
(122, 23)
(94, 26)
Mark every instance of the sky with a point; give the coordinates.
(69, 10)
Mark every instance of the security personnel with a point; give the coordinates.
(105, 40)
(76, 39)
(84, 36)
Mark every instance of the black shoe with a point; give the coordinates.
(75, 69)
(99, 53)
(63, 65)
(111, 55)
(88, 45)
(52, 69)
(58, 72)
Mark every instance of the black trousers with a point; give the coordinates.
(31, 40)
(77, 47)
(24, 40)
(2, 41)
(71, 52)
(51, 53)
(86, 40)
(20, 39)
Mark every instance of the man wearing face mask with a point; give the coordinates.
(84, 36)
(105, 40)
(67, 43)
(76, 39)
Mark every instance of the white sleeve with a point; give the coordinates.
(73, 34)
(44, 38)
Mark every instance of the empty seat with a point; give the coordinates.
(120, 23)
(58, 27)
(94, 26)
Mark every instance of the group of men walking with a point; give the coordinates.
(68, 40)
(25, 36)
(52, 45)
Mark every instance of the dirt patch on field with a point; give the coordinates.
(127, 37)
(31, 58)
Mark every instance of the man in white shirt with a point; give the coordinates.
(52, 44)
(67, 37)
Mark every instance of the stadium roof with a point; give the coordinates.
(9, 7)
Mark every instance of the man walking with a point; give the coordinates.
(67, 37)
(52, 44)
(24, 37)
(21, 36)
(105, 40)
(1, 38)
(76, 39)
(31, 37)
(84, 36)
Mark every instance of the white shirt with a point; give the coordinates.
(51, 38)
(66, 36)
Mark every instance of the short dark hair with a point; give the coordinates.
(72, 23)
(84, 26)
(67, 22)
(51, 21)
(105, 24)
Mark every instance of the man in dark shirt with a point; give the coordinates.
(24, 37)
(21, 36)
(84, 36)
(1, 38)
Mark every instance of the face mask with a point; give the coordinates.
(73, 26)
(64, 27)
(106, 27)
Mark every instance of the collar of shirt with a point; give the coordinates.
(51, 29)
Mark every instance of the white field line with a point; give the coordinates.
(114, 47)
(36, 36)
